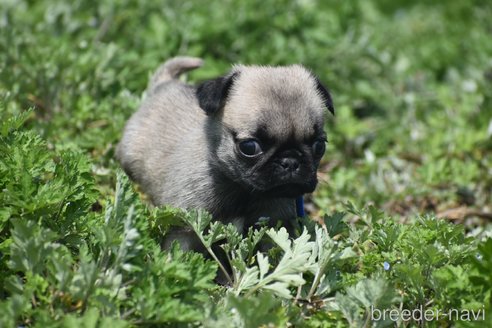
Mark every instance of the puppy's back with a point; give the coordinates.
(166, 119)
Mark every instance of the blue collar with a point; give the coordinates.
(300, 207)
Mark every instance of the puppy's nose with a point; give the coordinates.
(289, 163)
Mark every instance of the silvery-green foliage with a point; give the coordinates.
(411, 86)
(252, 273)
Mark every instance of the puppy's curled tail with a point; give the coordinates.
(172, 69)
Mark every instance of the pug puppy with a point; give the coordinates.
(242, 146)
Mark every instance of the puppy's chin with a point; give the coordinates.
(288, 190)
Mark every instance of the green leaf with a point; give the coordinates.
(263, 264)
(31, 245)
(262, 310)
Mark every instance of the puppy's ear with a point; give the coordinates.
(325, 95)
(212, 94)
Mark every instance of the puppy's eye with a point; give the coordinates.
(249, 148)
(319, 148)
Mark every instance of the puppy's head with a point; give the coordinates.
(265, 127)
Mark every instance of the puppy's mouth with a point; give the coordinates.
(291, 190)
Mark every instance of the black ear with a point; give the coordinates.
(212, 94)
(325, 94)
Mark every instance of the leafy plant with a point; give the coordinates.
(409, 149)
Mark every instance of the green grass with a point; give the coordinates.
(405, 189)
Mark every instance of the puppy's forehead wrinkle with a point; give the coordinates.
(285, 97)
